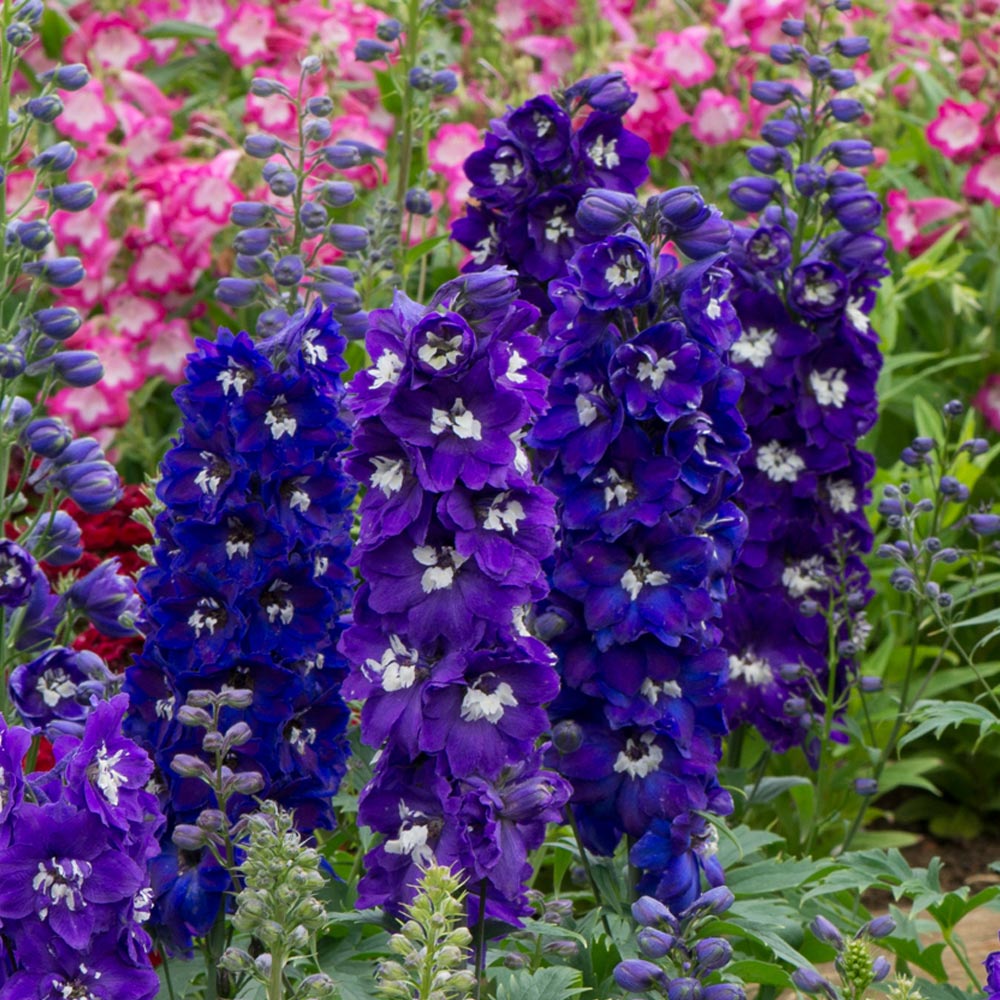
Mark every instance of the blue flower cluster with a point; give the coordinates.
(452, 537)
(805, 280)
(532, 172)
(640, 445)
(75, 843)
(247, 585)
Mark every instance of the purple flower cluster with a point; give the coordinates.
(804, 287)
(640, 445)
(453, 534)
(74, 847)
(992, 964)
(535, 166)
(248, 582)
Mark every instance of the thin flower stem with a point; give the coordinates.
(963, 959)
(585, 861)
(480, 956)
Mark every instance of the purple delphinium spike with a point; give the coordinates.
(804, 293)
(452, 537)
(247, 585)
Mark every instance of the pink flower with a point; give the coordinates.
(982, 183)
(554, 54)
(209, 192)
(91, 410)
(682, 56)
(168, 348)
(88, 117)
(244, 38)
(906, 221)
(957, 130)
(446, 154)
(717, 119)
(116, 44)
(657, 113)
(132, 316)
(210, 13)
(987, 401)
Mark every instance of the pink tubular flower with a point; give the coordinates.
(682, 56)
(555, 56)
(982, 183)
(88, 117)
(957, 130)
(717, 119)
(116, 43)
(657, 113)
(244, 38)
(987, 401)
(906, 221)
(446, 153)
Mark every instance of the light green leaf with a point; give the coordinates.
(556, 982)
(184, 30)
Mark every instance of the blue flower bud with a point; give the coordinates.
(58, 322)
(953, 408)
(842, 5)
(345, 301)
(608, 92)
(852, 47)
(901, 579)
(818, 66)
(809, 179)
(30, 11)
(842, 79)
(715, 901)
(418, 202)
(311, 65)
(262, 86)
(852, 152)
(420, 78)
(46, 108)
(869, 684)
(283, 183)
(793, 27)
(93, 486)
(681, 207)
(355, 326)
(444, 81)
(654, 943)
(47, 436)
(261, 146)
(751, 194)
(253, 241)
(845, 109)
(19, 34)
(567, 737)
(371, 50)
(771, 92)
(604, 212)
(255, 267)
(827, 932)
(635, 975)
(365, 150)
(846, 180)
(878, 927)
(250, 213)
(16, 412)
(54, 539)
(75, 76)
(236, 291)
(58, 158)
(350, 239)
(321, 107)
(712, 953)
(73, 197)
(82, 450)
(313, 216)
(865, 786)
(781, 132)
(984, 524)
(60, 272)
(78, 368)
(35, 235)
(810, 981)
(272, 321)
(289, 271)
(317, 130)
(723, 991)
(949, 485)
(782, 53)
(389, 30)
(856, 211)
(768, 159)
(794, 707)
(922, 445)
(336, 272)
(12, 361)
(337, 194)
(684, 988)
(708, 239)
(880, 968)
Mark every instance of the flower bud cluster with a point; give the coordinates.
(805, 279)
(278, 906)
(75, 843)
(679, 963)
(287, 244)
(248, 582)
(854, 963)
(432, 948)
(452, 536)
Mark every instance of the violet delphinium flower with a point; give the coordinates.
(453, 534)
(248, 581)
(78, 889)
(810, 360)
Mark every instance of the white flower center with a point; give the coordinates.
(206, 617)
(856, 315)
(558, 227)
(604, 154)
(412, 840)
(754, 347)
(506, 170)
(780, 464)
(504, 513)
(652, 691)
(807, 574)
(209, 478)
(485, 247)
(489, 705)
(386, 369)
(843, 496)
(388, 475)
(624, 271)
(823, 293)
(514, 366)
(639, 574)
(829, 387)
(108, 779)
(313, 352)
(62, 881)
(460, 421)
(54, 686)
(397, 670)
(440, 352)
(441, 565)
(234, 378)
(751, 669)
(543, 124)
(640, 757)
(656, 373)
(586, 411)
(277, 604)
(280, 420)
(616, 490)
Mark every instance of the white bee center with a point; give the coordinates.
(801, 577)
(388, 475)
(386, 369)
(843, 496)
(604, 154)
(559, 227)
(280, 420)
(108, 779)
(778, 463)
(640, 757)
(829, 387)
(460, 421)
(639, 574)
(624, 271)
(504, 513)
(397, 670)
(441, 565)
(54, 686)
(751, 669)
(440, 352)
(233, 379)
(754, 347)
(489, 705)
(656, 373)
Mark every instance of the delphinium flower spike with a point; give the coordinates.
(805, 279)
(248, 581)
(453, 531)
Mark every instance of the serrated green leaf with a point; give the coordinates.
(745, 843)
(556, 982)
(772, 876)
(934, 717)
(959, 904)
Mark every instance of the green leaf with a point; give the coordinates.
(961, 823)
(391, 100)
(183, 30)
(758, 973)
(909, 773)
(958, 904)
(772, 876)
(744, 843)
(554, 983)
(770, 788)
(945, 991)
(934, 717)
(884, 839)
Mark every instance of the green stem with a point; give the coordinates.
(275, 985)
(480, 957)
(585, 861)
(959, 953)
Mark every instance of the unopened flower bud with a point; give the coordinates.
(238, 734)
(283, 183)
(841, 79)
(350, 239)
(19, 34)
(604, 212)
(247, 782)
(810, 981)
(650, 912)
(852, 47)
(372, 50)
(47, 436)
(321, 106)
(289, 271)
(189, 715)
(45, 109)
(444, 81)
(188, 837)
(236, 291)
(827, 932)
(60, 272)
(78, 368)
(12, 361)
(636, 975)
(712, 953)
(655, 943)
(418, 202)
(684, 988)
(73, 197)
(389, 30)
(865, 786)
(261, 146)
(189, 766)
(59, 322)
(341, 156)
(35, 235)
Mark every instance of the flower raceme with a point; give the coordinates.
(452, 537)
